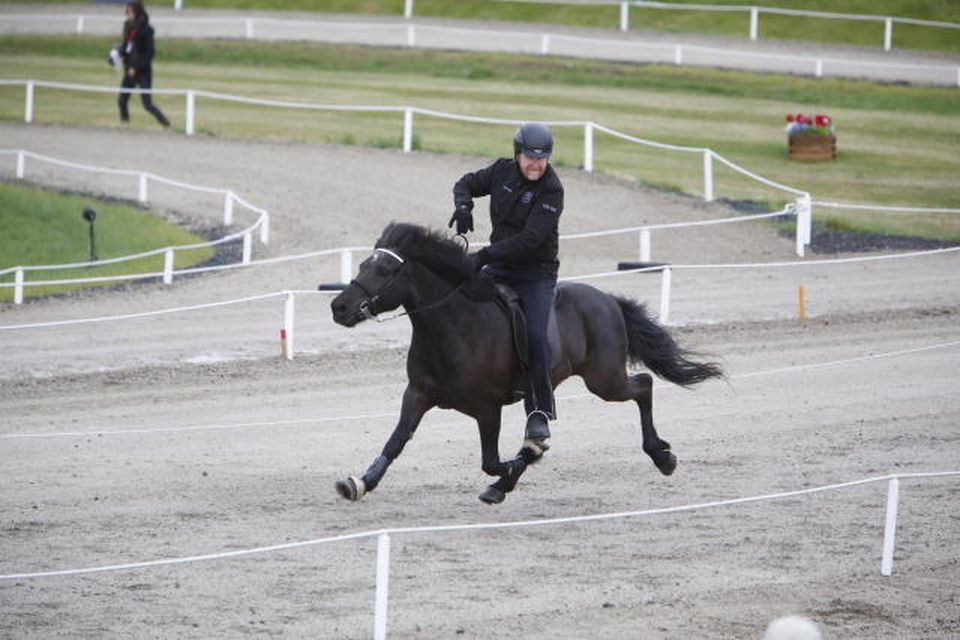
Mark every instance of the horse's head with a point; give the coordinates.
(386, 277)
(378, 287)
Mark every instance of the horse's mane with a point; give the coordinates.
(437, 252)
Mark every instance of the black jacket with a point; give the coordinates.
(525, 214)
(137, 48)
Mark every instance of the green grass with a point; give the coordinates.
(897, 144)
(41, 227)
(734, 24)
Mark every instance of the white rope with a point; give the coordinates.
(767, 265)
(678, 225)
(470, 527)
(874, 207)
(144, 314)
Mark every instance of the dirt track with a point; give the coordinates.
(185, 435)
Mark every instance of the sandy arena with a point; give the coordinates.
(185, 434)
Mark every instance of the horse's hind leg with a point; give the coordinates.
(637, 387)
(653, 446)
(509, 472)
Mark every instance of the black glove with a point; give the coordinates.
(463, 217)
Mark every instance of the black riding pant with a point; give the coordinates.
(536, 287)
(143, 78)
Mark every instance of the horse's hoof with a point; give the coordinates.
(492, 495)
(669, 465)
(351, 489)
(533, 450)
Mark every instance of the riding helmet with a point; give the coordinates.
(533, 139)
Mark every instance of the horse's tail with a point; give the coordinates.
(651, 344)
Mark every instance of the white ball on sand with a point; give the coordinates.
(793, 628)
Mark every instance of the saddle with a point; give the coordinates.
(509, 301)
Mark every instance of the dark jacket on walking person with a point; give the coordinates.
(136, 50)
(526, 200)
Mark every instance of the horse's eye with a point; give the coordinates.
(381, 268)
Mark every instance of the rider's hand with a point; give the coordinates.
(463, 217)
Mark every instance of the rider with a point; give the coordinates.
(526, 200)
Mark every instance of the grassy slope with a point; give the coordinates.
(42, 227)
(897, 144)
(672, 21)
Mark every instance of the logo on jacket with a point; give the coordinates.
(527, 197)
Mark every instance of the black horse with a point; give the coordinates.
(462, 354)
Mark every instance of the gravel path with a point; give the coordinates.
(186, 434)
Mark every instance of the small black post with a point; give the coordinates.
(90, 215)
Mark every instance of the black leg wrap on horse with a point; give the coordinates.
(374, 473)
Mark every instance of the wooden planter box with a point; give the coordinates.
(806, 146)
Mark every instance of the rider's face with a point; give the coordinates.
(532, 168)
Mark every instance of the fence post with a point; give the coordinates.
(177, 5)
(18, 286)
(624, 16)
(168, 266)
(588, 147)
(818, 69)
(802, 209)
(411, 36)
(228, 209)
(407, 130)
(28, 108)
(21, 164)
(265, 229)
(890, 527)
(79, 25)
(807, 219)
(248, 28)
(678, 55)
(665, 277)
(142, 191)
(408, 9)
(383, 584)
(346, 266)
(754, 22)
(888, 34)
(191, 104)
(545, 44)
(644, 245)
(708, 175)
(247, 247)
(288, 315)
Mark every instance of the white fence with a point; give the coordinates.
(802, 209)
(230, 199)
(542, 42)
(753, 13)
(381, 594)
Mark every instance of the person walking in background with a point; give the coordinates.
(136, 50)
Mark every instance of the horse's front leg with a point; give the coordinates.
(415, 404)
(509, 472)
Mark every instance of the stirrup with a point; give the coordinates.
(538, 428)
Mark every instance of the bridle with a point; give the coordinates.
(368, 307)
